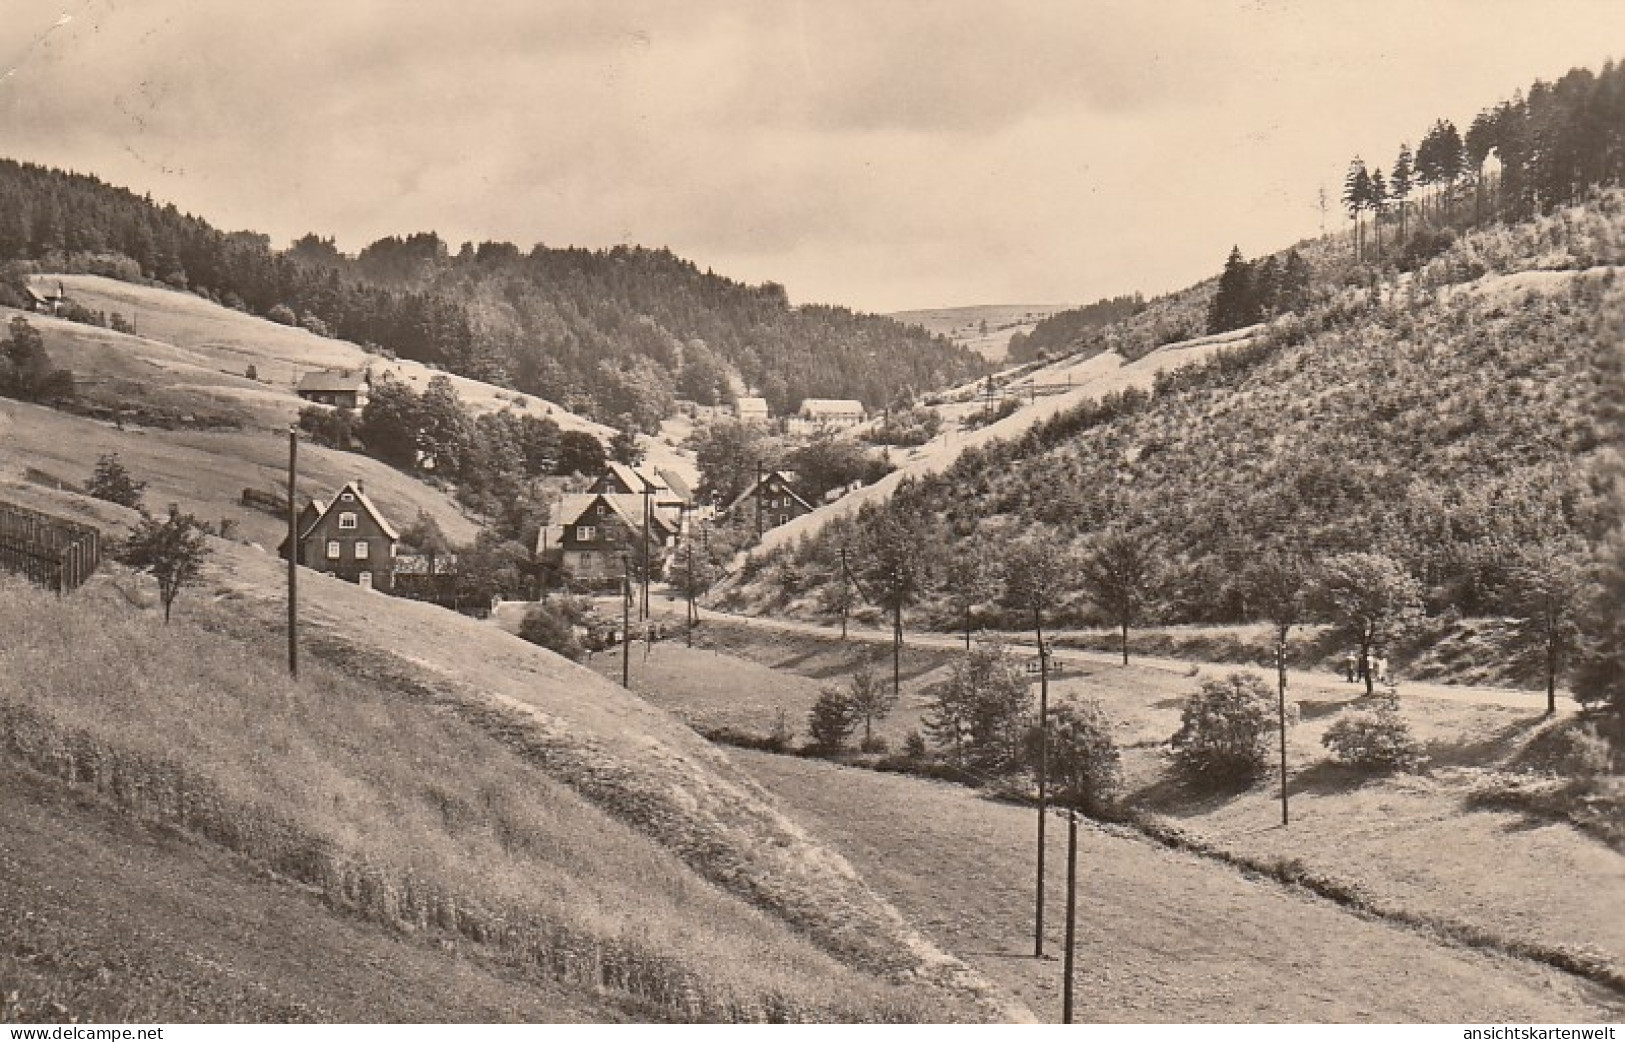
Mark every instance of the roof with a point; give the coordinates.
(321, 511)
(634, 479)
(629, 508)
(328, 380)
(831, 406)
(751, 405)
(678, 486)
(783, 476)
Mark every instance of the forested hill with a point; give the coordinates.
(609, 333)
(1440, 419)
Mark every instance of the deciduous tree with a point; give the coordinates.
(172, 550)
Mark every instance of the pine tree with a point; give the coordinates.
(1356, 199)
(1399, 184)
(1378, 204)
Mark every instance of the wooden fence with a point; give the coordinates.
(48, 550)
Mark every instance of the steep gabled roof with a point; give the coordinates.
(783, 476)
(635, 480)
(629, 509)
(678, 486)
(321, 511)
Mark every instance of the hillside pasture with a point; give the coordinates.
(206, 348)
(1414, 843)
(205, 472)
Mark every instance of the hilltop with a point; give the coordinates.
(984, 328)
(615, 335)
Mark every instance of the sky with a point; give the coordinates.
(882, 154)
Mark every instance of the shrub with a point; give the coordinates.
(1085, 767)
(832, 720)
(875, 744)
(282, 314)
(550, 626)
(112, 482)
(1224, 731)
(1375, 738)
(914, 746)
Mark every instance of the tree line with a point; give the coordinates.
(608, 333)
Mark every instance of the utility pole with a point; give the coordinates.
(643, 603)
(1280, 667)
(690, 539)
(626, 621)
(293, 554)
(1043, 784)
(1071, 911)
(758, 501)
(846, 592)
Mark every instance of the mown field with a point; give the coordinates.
(1420, 847)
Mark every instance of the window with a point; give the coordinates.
(784, 518)
(602, 510)
(584, 533)
(333, 550)
(347, 497)
(361, 550)
(347, 520)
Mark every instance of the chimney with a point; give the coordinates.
(360, 487)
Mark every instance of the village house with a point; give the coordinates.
(752, 410)
(342, 388)
(593, 529)
(347, 537)
(773, 500)
(669, 495)
(46, 303)
(830, 412)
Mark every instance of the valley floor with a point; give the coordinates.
(1163, 936)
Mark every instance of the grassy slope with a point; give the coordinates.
(105, 919)
(531, 723)
(206, 471)
(206, 348)
(1409, 842)
(1162, 935)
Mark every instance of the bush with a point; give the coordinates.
(1085, 767)
(914, 746)
(875, 744)
(283, 314)
(1375, 738)
(1224, 731)
(550, 626)
(832, 720)
(112, 482)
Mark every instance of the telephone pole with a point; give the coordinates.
(626, 620)
(1071, 911)
(1280, 667)
(690, 539)
(758, 501)
(1043, 787)
(293, 554)
(643, 606)
(846, 592)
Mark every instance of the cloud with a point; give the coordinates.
(881, 154)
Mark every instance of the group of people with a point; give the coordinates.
(1356, 667)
